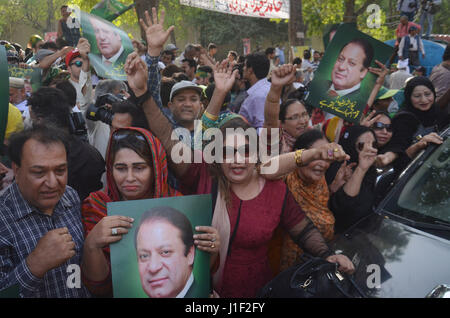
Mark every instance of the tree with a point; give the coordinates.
(141, 7)
(296, 25)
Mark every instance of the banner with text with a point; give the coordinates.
(271, 9)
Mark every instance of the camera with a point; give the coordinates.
(100, 111)
(78, 126)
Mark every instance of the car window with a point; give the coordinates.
(426, 195)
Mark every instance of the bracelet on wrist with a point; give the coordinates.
(298, 157)
(210, 116)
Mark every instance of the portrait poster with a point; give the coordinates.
(31, 76)
(342, 83)
(4, 93)
(110, 46)
(142, 253)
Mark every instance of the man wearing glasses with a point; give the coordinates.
(77, 63)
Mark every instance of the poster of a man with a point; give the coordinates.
(158, 257)
(109, 42)
(343, 81)
(350, 68)
(110, 46)
(165, 253)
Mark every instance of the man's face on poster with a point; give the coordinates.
(109, 41)
(349, 70)
(164, 267)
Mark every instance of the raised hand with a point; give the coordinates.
(84, 47)
(283, 75)
(224, 76)
(367, 157)
(380, 72)
(154, 32)
(370, 119)
(137, 74)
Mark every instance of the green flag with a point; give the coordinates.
(4, 93)
(110, 9)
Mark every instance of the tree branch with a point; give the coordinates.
(363, 8)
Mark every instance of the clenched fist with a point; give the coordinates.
(53, 249)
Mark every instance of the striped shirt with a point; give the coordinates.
(21, 227)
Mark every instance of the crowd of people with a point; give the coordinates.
(80, 142)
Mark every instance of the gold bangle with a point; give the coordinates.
(211, 117)
(298, 157)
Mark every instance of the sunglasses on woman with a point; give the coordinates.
(360, 145)
(380, 126)
(122, 134)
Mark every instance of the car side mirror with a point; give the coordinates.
(440, 291)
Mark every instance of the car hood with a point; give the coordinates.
(407, 262)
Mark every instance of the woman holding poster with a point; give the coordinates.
(136, 168)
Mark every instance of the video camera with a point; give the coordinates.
(100, 111)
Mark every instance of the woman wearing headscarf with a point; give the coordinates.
(136, 168)
(416, 125)
(355, 198)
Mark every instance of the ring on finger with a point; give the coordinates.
(330, 153)
(114, 231)
(336, 149)
(213, 239)
(212, 245)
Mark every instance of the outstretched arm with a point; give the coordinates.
(137, 76)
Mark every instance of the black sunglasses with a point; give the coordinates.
(379, 126)
(77, 63)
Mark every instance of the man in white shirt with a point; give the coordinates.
(398, 78)
(409, 47)
(17, 95)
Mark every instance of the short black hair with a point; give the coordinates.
(205, 68)
(168, 52)
(212, 46)
(270, 50)
(170, 70)
(46, 134)
(307, 54)
(308, 138)
(297, 61)
(51, 105)
(285, 105)
(367, 48)
(166, 88)
(191, 63)
(69, 90)
(259, 63)
(138, 118)
(174, 217)
(64, 6)
(49, 46)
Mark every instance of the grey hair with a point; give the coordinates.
(109, 86)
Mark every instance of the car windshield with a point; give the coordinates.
(426, 195)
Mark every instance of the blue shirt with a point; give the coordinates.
(253, 106)
(21, 227)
